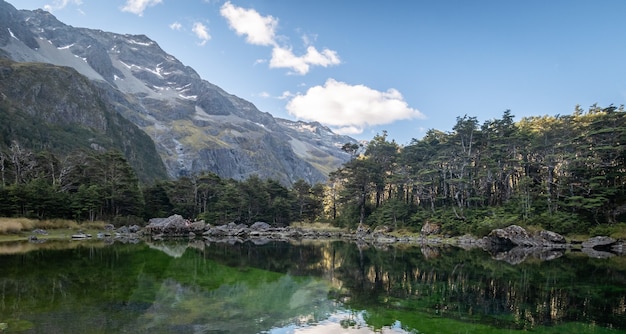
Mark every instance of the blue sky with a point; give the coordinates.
(400, 66)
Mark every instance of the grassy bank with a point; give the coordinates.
(12, 229)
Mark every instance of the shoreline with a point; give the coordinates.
(512, 244)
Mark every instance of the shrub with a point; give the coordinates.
(617, 231)
(561, 222)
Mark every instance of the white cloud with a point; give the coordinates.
(261, 30)
(176, 26)
(350, 108)
(284, 58)
(285, 95)
(258, 29)
(202, 32)
(60, 4)
(138, 6)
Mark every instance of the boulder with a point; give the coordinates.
(599, 242)
(260, 226)
(198, 226)
(430, 228)
(514, 235)
(551, 237)
(230, 229)
(172, 225)
(507, 238)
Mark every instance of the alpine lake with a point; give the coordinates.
(193, 286)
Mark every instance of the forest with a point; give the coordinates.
(565, 173)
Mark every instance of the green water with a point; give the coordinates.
(76, 287)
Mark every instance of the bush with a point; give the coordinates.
(617, 231)
(561, 222)
(492, 222)
(128, 220)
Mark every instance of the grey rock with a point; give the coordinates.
(260, 226)
(600, 241)
(514, 235)
(551, 237)
(174, 225)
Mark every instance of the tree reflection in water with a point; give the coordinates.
(304, 288)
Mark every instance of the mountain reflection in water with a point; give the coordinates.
(330, 287)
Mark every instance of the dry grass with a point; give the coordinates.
(17, 225)
(317, 226)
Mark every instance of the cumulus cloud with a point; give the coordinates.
(202, 32)
(176, 26)
(258, 29)
(60, 4)
(138, 6)
(284, 58)
(350, 108)
(261, 30)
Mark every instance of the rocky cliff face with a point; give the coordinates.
(196, 125)
(43, 106)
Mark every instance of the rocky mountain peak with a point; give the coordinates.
(195, 125)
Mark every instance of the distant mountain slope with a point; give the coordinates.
(196, 125)
(47, 107)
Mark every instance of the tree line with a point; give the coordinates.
(101, 185)
(563, 173)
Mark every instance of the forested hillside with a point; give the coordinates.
(562, 173)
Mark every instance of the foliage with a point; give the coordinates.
(88, 186)
(563, 173)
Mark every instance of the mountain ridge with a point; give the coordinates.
(195, 124)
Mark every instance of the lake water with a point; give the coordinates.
(324, 287)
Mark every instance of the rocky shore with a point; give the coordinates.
(512, 244)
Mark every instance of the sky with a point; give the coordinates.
(400, 66)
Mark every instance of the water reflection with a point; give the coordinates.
(328, 287)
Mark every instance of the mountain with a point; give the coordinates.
(44, 106)
(196, 126)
